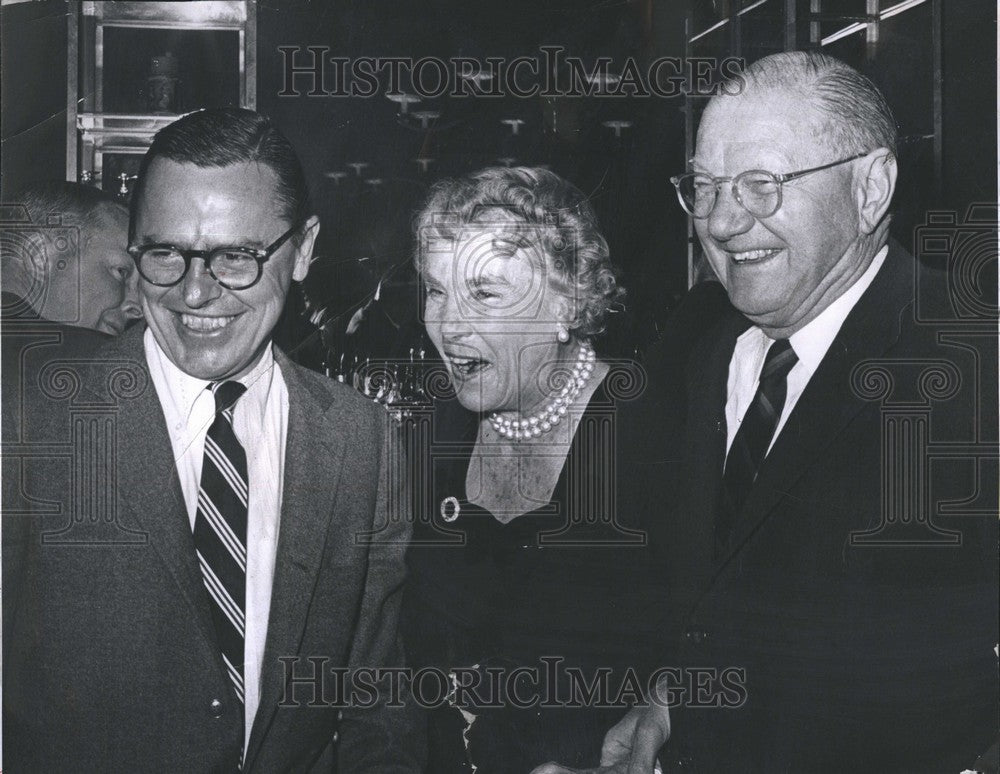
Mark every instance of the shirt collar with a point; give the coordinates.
(258, 384)
(812, 341)
(184, 390)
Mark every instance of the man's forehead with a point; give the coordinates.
(106, 229)
(774, 127)
(171, 180)
(108, 216)
(183, 198)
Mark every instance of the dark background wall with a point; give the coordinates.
(33, 87)
(627, 178)
(970, 103)
(366, 227)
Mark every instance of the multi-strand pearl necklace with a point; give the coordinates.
(550, 415)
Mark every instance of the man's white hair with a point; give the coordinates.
(859, 118)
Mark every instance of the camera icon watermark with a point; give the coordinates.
(46, 254)
(966, 250)
(938, 430)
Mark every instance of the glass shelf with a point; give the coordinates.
(137, 66)
(169, 70)
(197, 15)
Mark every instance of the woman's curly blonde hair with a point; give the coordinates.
(554, 208)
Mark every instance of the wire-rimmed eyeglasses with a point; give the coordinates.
(757, 190)
(235, 268)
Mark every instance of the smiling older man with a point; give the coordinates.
(814, 548)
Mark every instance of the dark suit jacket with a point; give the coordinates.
(866, 647)
(110, 658)
(30, 342)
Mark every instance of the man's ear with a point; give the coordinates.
(304, 250)
(876, 183)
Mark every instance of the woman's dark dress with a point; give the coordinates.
(517, 593)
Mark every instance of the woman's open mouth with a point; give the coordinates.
(467, 366)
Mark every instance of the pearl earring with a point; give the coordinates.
(563, 336)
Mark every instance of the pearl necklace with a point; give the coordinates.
(550, 415)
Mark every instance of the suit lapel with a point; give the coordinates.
(828, 403)
(148, 480)
(706, 450)
(314, 450)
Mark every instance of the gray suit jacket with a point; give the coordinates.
(110, 657)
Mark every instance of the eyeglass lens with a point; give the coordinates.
(758, 192)
(233, 267)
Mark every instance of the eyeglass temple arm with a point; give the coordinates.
(792, 175)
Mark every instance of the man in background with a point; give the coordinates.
(67, 262)
(68, 284)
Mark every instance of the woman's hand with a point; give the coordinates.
(630, 747)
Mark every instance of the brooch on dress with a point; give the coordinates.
(450, 509)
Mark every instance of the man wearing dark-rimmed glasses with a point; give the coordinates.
(834, 593)
(202, 635)
(233, 267)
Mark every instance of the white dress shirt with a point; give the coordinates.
(810, 343)
(260, 421)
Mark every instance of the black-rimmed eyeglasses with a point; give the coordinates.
(757, 190)
(235, 268)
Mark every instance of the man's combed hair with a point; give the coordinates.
(224, 136)
(553, 208)
(66, 203)
(75, 204)
(860, 119)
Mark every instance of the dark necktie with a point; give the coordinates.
(220, 530)
(754, 436)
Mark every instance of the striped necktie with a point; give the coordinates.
(220, 531)
(754, 437)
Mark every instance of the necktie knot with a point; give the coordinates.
(226, 394)
(779, 360)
